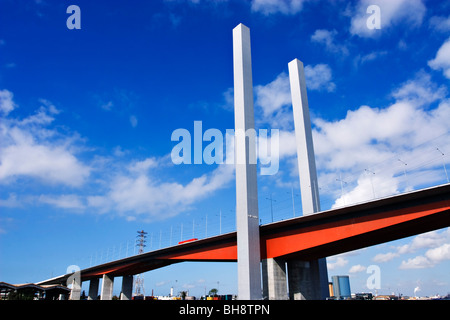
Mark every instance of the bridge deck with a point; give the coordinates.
(310, 237)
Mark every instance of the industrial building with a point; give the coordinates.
(341, 287)
(31, 291)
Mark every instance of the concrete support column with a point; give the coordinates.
(274, 279)
(305, 279)
(127, 287)
(302, 281)
(107, 287)
(75, 293)
(93, 289)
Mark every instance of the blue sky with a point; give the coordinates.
(87, 117)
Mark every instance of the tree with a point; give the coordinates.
(183, 294)
(213, 292)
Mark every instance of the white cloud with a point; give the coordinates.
(53, 164)
(419, 262)
(336, 262)
(442, 59)
(144, 165)
(426, 240)
(357, 268)
(141, 194)
(385, 257)
(6, 102)
(431, 258)
(438, 245)
(133, 121)
(287, 7)
(319, 77)
(439, 252)
(366, 145)
(228, 100)
(30, 149)
(365, 189)
(42, 117)
(327, 38)
(288, 146)
(376, 138)
(420, 90)
(107, 106)
(348, 142)
(361, 59)
(274, 98)
(70, 201)
(441, 24)
(392, 12)
(275, 95)
(10, 202)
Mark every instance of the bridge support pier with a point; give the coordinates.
(93, 289)
(308, 280)
(127, 287)
(274, 279)
(107, 287)
(75, 293)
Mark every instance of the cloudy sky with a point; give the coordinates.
(87, 117)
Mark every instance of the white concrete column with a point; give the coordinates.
(247, 221)
(274, 279)
(93, 289)
(303, 136)
(127, 288)
(75, 293)
(107, 287)
(304, 281)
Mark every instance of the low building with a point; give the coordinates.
(31, 291)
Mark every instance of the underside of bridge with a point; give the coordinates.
(301, 239)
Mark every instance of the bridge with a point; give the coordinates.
(292, 252)
(306, 239)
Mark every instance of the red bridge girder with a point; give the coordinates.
(310, 237)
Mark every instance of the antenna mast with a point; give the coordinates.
(138, 281)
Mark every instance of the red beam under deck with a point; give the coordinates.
(222, 252)
(302, 238)
(324, 236)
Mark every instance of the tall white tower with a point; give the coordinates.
(303, 137)
(247, 218)
(314, 277)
